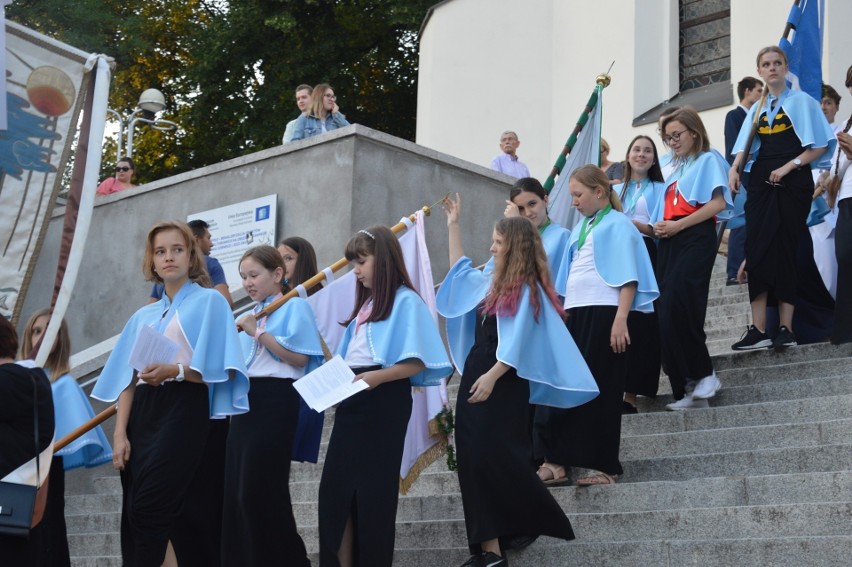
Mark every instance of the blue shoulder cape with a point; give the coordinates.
(698, 182)
(206, 319)
(294, 328)
(409, 332)
(554, 240)
(72, 410)
(541, 352)
(653, 193)
(620, 258)
(809, 124)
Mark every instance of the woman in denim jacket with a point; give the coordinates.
(323, 114)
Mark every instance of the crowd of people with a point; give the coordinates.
(554, 339)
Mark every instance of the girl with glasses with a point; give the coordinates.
(684, 222)
(323, 114)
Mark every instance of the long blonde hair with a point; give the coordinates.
(59, 360)
(524, 261)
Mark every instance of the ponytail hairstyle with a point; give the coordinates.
(197, 268)
(654, 173)
(306, 263)
(593, 177)
(59, 360)
(268, 257)
(523, 262)
(389, 271)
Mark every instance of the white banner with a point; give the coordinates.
(43, 94)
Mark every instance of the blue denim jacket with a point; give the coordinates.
(307, 126)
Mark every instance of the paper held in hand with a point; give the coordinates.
(152, 348)
(329, 384)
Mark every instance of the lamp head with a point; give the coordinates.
(152, 100)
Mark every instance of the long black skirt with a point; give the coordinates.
(54, 517)
(842, 331)
(684, 267)
(644, 356)
(589, 435)
(258, 527)
(360, 478)
(501, 494)
(167, 431)
(776, 218)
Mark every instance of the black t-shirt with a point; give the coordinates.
(780, 141)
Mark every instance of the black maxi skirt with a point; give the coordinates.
(501, 494)
(54, 517)
(258, 526)
(684, 267)
(589, 435)
(776, 218)
(644, 356)
(167, 431)
(842, 330)
(360, 478)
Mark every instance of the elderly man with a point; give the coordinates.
(508, 162)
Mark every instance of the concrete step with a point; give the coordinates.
(94, 544)
(774, 521)
(757, 358)
(103, 561)
(649, 422)
(778, 552)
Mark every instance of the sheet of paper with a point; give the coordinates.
(329, 384)
(152, 348)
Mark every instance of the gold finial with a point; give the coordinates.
(603, 80)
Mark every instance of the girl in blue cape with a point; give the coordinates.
(639, 196)
(258, 526)
(509, 340)
(684, 221)
(607, 275)
(792, 134)
(71, 409)
(163, 422)
(391, 343)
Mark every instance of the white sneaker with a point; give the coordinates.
(707, 388)
(686, 403)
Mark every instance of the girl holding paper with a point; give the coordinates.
(392, 344)
(258, 526)
(164, 409)
(507, 332)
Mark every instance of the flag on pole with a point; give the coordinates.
(804, 48)
(586, 150)
(334, 303)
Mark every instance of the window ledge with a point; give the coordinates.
(704, 98)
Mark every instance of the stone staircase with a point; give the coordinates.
(763, 477)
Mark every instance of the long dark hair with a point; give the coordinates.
(389, 271)
(654, 173)
(306, 263)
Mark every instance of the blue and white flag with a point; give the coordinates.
(586, 150)
(804, 48)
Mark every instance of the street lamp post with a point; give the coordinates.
(150, 103)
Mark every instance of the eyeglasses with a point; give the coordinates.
(331, 96)
(122, 168)
(674, 137)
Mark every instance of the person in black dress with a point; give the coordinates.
(505, 503)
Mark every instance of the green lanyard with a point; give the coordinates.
(587, 228)
(544, 226)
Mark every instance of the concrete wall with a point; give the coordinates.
(329, 187)
(491, 65)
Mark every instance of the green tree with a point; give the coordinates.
(228, 67)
